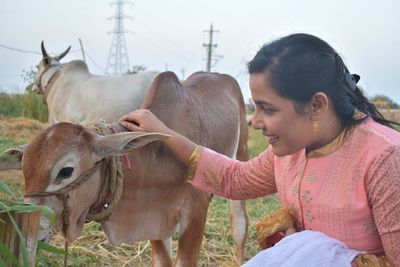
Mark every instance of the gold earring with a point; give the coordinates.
(315, 125)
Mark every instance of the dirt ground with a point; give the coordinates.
(12, 176)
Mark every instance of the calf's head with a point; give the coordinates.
(60, 155)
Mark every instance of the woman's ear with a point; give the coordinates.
(319, 104)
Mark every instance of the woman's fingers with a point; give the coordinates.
(131, 121)
(143, 120)
(290, 231)
(130, 126)
(131, 116)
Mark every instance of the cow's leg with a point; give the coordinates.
(238, 215)
(239, 224)
(168, 245)
(160, 254)
(191, 228)
(190, 243)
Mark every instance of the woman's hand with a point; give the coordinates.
(143, 120)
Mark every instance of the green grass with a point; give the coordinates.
(256, 143)
(28, 105)
(6, 143)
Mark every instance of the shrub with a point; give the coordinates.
(28, 105)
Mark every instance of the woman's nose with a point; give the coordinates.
(256, 122)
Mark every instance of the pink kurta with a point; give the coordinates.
(349, 190)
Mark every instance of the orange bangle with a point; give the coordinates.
(195, 152)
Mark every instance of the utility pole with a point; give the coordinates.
(209, 48)
(118, 59)
(183, 70)
(83, 51)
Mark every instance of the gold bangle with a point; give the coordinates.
(195, 152)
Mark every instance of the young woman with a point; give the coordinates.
(333, 159)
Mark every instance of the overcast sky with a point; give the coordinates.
(169, 34)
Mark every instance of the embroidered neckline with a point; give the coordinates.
(331, 147)
(336, 143)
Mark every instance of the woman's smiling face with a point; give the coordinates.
(286, 129)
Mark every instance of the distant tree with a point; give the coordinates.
(136, 69)
(29, 76)
(384, 102)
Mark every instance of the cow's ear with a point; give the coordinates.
(46, 61)
(121, 143)
(11, 158)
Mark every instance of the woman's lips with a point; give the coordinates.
(272, 139)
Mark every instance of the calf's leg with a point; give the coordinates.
(192, 225)
(160, 254)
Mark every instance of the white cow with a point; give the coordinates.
(73, 94)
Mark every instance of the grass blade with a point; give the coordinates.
(7, 255)
(46, 211)
(22, 207)
(50, 248)
(6, 190)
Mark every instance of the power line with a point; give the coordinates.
(163, 43)
(161, 47)
(27, 51)
(38, 53)
(93, 62)
(151, 26)
(19, 50)
(161, 24)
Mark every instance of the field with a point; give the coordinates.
(393, 115)
(93, 249)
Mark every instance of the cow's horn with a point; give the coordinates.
(63, 53)
(44, 53)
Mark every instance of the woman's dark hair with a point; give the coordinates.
(300, 65)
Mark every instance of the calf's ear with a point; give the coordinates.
(122, 143)
(11, 158)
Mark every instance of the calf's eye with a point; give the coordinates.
(65, 173)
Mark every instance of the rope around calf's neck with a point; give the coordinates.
(112, 181)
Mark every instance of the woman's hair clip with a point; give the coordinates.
(352, 80)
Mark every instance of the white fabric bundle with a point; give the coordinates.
(306, 248)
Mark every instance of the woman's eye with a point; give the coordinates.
(268, 111)
(65, 173)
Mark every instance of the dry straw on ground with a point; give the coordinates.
(20, 128)
(93, 249)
